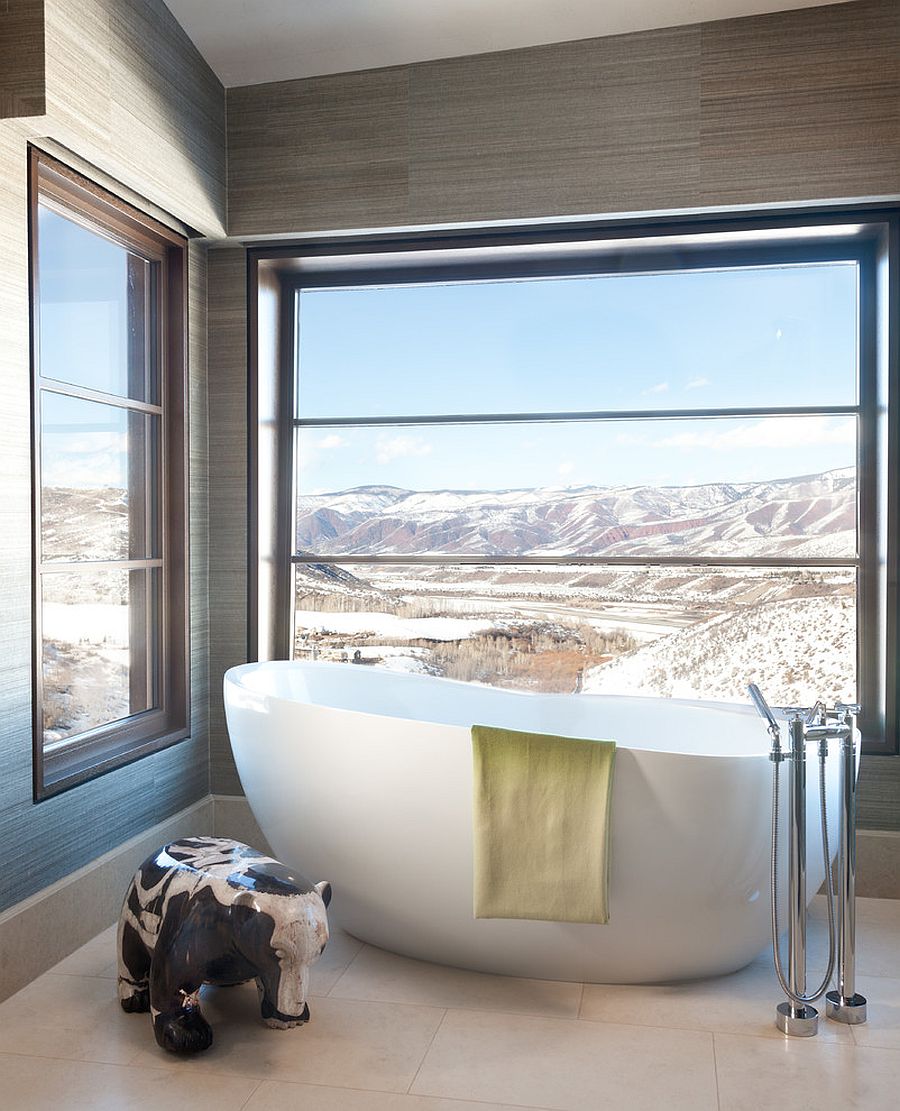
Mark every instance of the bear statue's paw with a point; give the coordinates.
(137, 1003)
(284, 1024)
(277, 1020)
(186, 1031)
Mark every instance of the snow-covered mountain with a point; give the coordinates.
(810, 515)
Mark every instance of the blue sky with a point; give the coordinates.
(84, 305)
(772, 336)
(768, 336)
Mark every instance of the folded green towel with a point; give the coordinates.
(541, 825)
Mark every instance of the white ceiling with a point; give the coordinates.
(251, 41)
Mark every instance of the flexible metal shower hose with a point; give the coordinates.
(829, 889)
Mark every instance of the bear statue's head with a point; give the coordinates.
(281, 934)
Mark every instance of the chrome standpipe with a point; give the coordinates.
(794, 1017)
(846, 1005)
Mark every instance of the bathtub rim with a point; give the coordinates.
(234, 676)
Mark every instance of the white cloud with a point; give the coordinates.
(96, 460)
(565, 468)
(770, 432)
(660, 387)
(698, 383)
(400, 447)
(313, 446)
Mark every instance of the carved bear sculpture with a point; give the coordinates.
(207, 910)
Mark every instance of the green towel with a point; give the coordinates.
(541, 825)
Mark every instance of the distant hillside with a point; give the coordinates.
(84, 523)
(796, 650)
(811, 515)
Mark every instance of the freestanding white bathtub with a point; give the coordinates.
(363, 777)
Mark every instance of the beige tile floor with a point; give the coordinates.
(391, 1034)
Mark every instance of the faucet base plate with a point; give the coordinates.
(797, 1022)
(850, 1010)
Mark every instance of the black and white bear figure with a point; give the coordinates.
(207, 910)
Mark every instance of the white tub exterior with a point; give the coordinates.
(364, 777)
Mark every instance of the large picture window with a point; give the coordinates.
(652, 466)
(109, 466)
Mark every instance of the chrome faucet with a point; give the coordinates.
(815, 723)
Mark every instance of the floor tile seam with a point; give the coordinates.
(573, 1019)
(422, 1059)
(346, 968)
(470, 1007)
(74, 975)
(201, 1068)
(716, 1074)
(579, 1017)
(580, 1000)
(129, 1064)
(814, 971)
(467, 1100)
(694, 1029)
(835, 1043)
(877, 1048)
(251, 1094)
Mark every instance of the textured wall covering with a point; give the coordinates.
(22, 83)
(791, 107)
(128, 93)
(794, 106)
(227, 495)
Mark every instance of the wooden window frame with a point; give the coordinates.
(112, 745)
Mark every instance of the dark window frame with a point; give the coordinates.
(354, 260)
(112, 745)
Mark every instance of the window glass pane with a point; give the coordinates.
(98, 481)
(754, 336)
(94, 310)
(664, 632)
(751, 487)
(99, 649)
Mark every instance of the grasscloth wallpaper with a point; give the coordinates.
(128, 93)
(789, 107)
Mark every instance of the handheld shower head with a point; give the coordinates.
(764, 711)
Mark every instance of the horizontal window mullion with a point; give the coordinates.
(53, 385)
(586, 416)
(850, 562)
(100, 565)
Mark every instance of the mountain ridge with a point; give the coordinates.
(810, 515)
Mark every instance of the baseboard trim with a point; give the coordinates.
(41, 930)
(878, 863)
(234, 818)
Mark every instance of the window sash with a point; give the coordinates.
(868, 237)
(159, 660)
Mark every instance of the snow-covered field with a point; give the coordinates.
(389, 626)
(82, 622)
(670, 632)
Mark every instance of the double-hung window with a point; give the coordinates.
(648, 461)
(110, 640)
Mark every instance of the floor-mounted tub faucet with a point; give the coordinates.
(820, 724)
(846, 1004)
